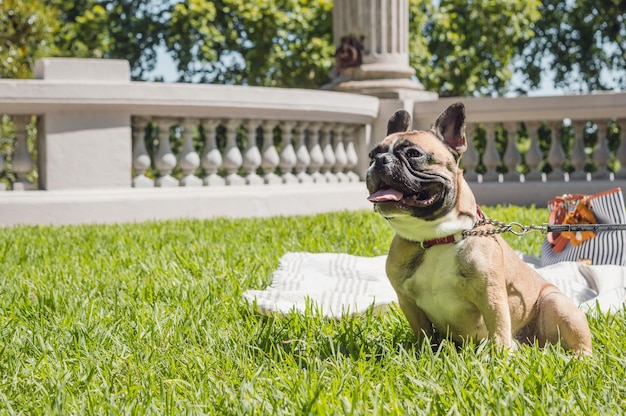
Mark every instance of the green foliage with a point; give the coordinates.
(461, 48)
(27, 30)
(579, 40)
(150, 319)
(283, 43)
(7, 150)
(458, 48)
(121, 29)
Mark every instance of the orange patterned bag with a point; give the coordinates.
(605, 247)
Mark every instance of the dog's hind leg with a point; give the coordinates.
(560, 320)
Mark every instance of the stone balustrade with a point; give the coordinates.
(252, 152)
(518, 122)
(526, 150)
(86, 126)
(510, 162)
(91, 146)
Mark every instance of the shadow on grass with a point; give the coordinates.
(302, 338)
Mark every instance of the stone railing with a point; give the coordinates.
(251, 152)
(303, 135)
(511, 166)
(91, 146)
(100, 140)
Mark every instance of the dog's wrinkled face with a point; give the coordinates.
(414, 173)
(411, 174)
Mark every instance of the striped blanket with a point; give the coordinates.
(342, 284)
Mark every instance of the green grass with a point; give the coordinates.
(150, 319)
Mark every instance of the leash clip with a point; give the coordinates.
(519, 229)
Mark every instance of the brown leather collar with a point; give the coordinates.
(453, 238)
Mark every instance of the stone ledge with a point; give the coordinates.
(184, 100)
(536, 193)
(137, 205)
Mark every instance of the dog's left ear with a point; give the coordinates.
(450, 126)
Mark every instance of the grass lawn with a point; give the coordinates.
(150, 319)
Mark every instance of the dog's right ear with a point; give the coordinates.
(399, 122)
(450, 126)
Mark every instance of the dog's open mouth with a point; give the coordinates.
(425, 197)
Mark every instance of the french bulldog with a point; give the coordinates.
(464, 286)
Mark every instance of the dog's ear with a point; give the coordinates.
(399, 122)
(450, 127)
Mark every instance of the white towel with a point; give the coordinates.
(341, 284)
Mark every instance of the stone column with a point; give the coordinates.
(372, 48)
(372, 57)
(84, 149)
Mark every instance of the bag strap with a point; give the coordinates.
(557, 216)
(604, 193)
(559, 211)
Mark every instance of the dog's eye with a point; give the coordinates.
(412, 153)
(375, 152)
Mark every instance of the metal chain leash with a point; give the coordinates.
(499, 227)
(516, 228)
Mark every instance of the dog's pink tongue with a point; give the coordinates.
(385, 195)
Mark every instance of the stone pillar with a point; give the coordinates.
(84, 149)
(372, 57)
(372, 48)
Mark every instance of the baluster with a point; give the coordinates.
(233, 158)
(621, 152)
(602, 154)
(491, 158)
(579, 157)
(556, 156)
(211, 156)
(303, 160)
(189, 160)
(315, 152)
(341, 159)
(471, 158)
(22, 160)
(141, 158)
(252, 155)
(512, 157)
(533, 156)
(165, 161)
(329, 154)
(351, 154)
(287, 154)
(270, 158)
(3, 186)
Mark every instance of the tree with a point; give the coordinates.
(461, 47)
(122, 29)
(119, 29)
(27, 32)
(285, 43)
(582, 41)
(458, 47)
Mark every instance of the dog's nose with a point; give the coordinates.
(383, 159)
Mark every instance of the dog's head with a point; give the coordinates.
(414, 174)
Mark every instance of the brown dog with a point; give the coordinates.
(472, 287)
